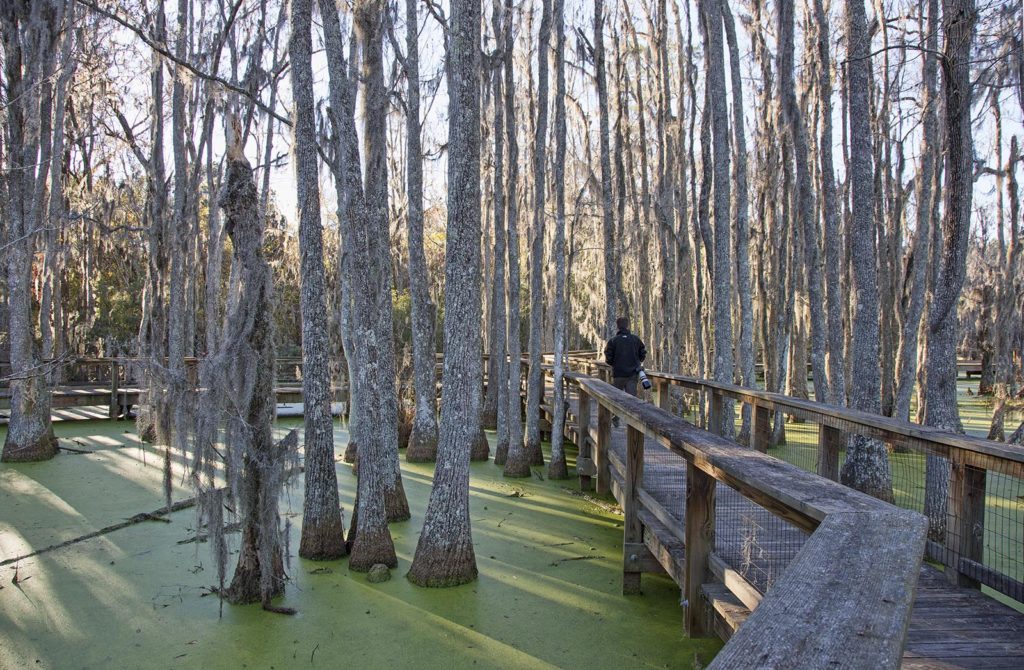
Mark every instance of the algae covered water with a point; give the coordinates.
(549, 592)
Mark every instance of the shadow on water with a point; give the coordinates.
(549, 592)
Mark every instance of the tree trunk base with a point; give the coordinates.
(370, 548)
(557, 469)
(501, 452)
(396, 505)
(516, 467)
(42, 448)
(481, 449)
(324, 541)
(862, 471)
(437, 566)
(351, 451)
(422, 444)
(535, 453)
(245, 584)
(489, 418)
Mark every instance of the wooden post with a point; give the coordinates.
(584, 460)
(830, 441)
(965, 527)
(761, 432)
(662, 386)
(115, 405)
(604, 443)
(632, 537)
(700, 543)
(715, 418)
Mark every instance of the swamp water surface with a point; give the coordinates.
(548, 593)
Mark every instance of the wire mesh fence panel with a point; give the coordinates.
(795, 443)
(908, 479)
(1004, 525)
(752, 540)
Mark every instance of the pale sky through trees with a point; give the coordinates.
(579, 87)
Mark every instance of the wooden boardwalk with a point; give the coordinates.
(91, 395)
(950, 627)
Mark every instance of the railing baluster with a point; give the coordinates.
(632, 540)
(662, 387)
(715, 420)
(965, 530)
(700, 543)
(761, 432)
(584, 461)
(604, 441)
(830, 441)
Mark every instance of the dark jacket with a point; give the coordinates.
(625, 352)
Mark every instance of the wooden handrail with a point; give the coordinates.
(854, 538)
(962, 550)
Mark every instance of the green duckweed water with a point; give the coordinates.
(548, 593)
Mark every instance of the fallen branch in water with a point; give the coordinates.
(155, 515)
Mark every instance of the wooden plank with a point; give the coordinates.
(965, 529)
(664, 547)
(726, 612)
(638, 559)
(761, 432)
(735, 582)
(700, 542)
(582, 443)
(800, 624)
(993, 579)
(662, 388)
(652, 505)
(632, 530)
(830, 441)
(715, 413)
(604, 440)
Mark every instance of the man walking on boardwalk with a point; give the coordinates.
(624, 353)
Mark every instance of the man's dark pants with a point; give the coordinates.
(627, 384)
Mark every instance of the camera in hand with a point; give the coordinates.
(644, 381)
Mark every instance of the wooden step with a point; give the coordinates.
(724, 609)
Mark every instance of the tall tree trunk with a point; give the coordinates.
(806, 210)
(423, 439)
(715, 72)
(29, 33)
(246, 393)
(607, 213)
(918, 258)
(516, 462)
(180, 402)
(867, 462)
(535, 381)
(444, 553)
(829, 207)
(497, 376)
(958, 19)
(369, 537)
(557, 468)
(741, 216)
(322, 527)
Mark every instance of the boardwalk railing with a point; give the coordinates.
(845, 598)
(121, 381)
(975, 486)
